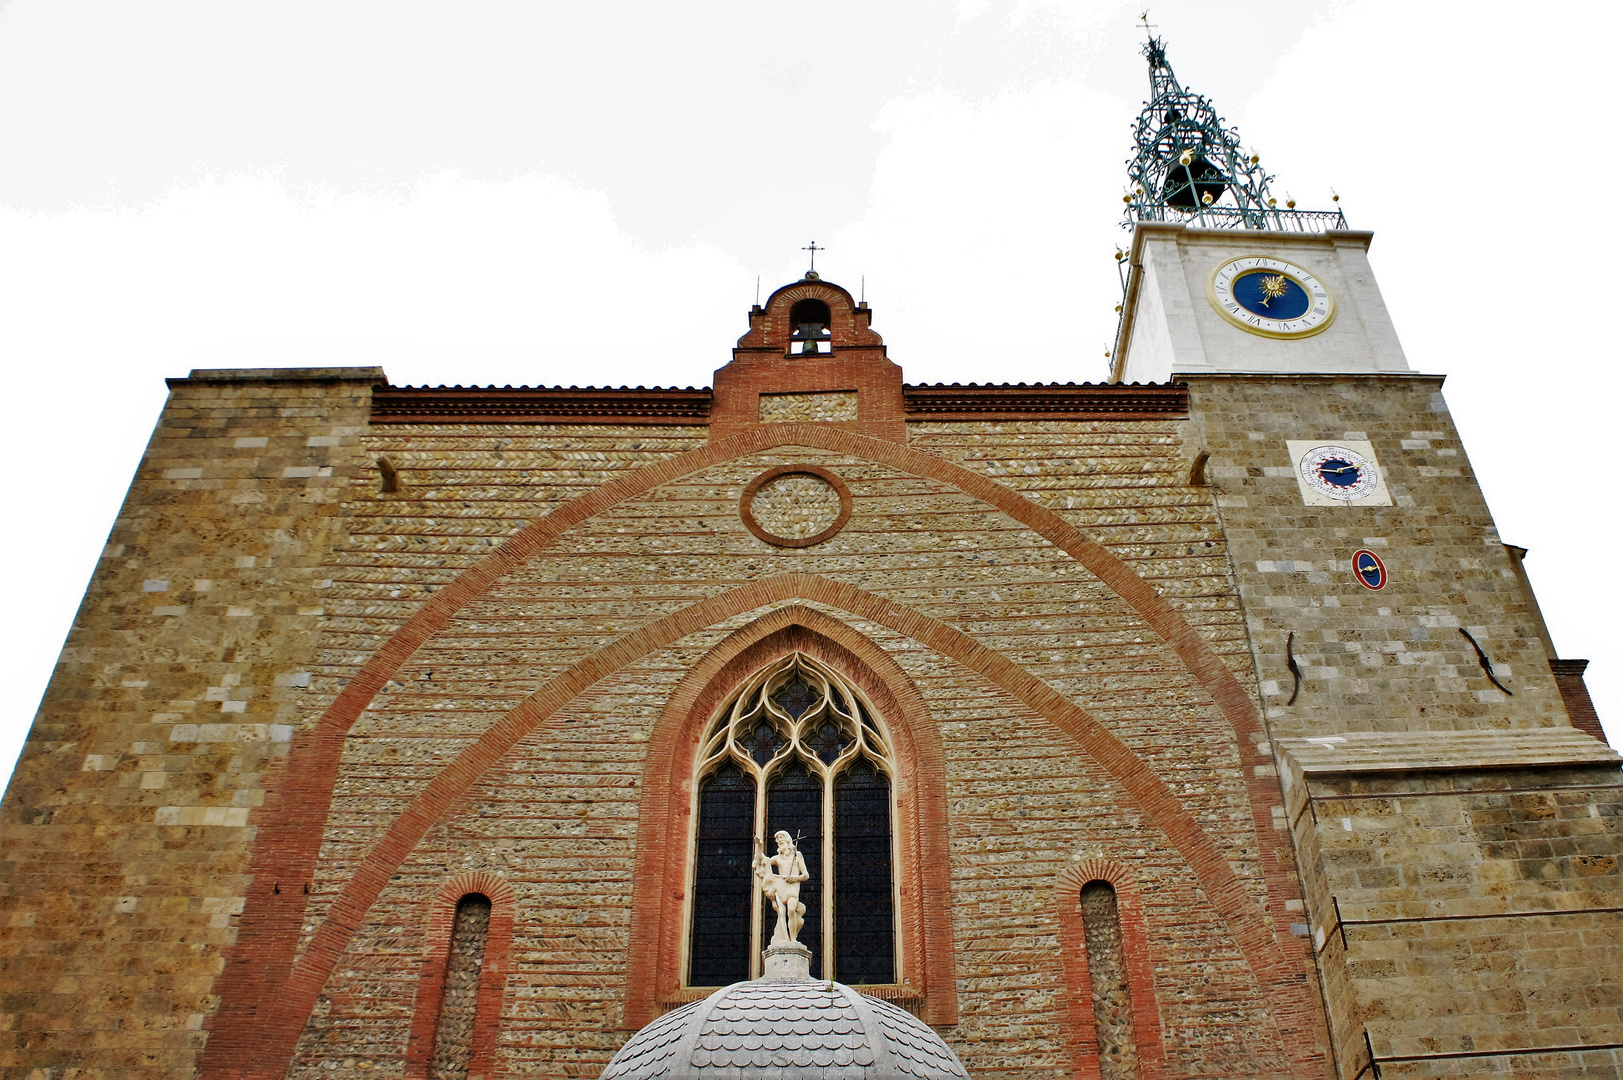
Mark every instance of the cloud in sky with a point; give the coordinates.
(587, 193)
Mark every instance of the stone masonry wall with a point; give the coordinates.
(258, 565)
(558, 817)
(126, 827)
(1482, 912)
(1482, 909)
(1391, 660)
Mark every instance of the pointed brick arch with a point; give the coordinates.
(267, 987)
(664, 815)
(278, 1027)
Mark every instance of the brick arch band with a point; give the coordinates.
(267, 988)
(279, 1030)
(665, 820)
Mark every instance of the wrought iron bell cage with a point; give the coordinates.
(1188, 167)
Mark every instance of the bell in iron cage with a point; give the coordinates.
(1189, 187)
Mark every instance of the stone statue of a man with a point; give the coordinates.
(780, 877)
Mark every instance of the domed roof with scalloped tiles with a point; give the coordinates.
(786, 1029)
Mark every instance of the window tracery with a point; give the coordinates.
(795, 748)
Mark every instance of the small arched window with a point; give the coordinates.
(795, 749)
(1107, 975)
(808, 328)
(454, 1029)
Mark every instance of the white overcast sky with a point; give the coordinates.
(586, 193)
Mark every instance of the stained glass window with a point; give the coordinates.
(723, 885)
(829, 742)
(795, 696)
(863, 910)
(794, 803)
(796, 750)
(765, 742)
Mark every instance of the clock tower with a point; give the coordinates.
(1221, 278)
(1402, 666)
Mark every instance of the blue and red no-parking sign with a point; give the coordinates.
(1369, 570)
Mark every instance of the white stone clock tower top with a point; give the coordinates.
(1220, 278)
(1177, 318)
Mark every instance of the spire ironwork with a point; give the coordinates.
(1188, 165)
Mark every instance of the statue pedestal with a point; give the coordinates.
(790, 962)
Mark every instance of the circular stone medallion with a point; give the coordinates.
(795, 505)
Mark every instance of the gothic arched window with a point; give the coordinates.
(796, 749)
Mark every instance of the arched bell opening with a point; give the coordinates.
(810, 320)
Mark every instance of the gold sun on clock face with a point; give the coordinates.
(1273, 287)
(1271, 297)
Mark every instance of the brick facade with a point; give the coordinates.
(313, 699)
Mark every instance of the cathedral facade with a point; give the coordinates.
(1192, 724)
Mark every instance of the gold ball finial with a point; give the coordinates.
(1290, 203)
(1207, 198)
(1127, 199)
(1272, 202)
(1333, 196)
(1187, 157)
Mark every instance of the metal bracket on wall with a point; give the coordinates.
(1369, 1048)
(1482, 658)
(1290, 662)
(1463, 1055)
(1409, 920)
(1197, 469)
(1340, 928)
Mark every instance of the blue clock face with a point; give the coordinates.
(1335, 471)
(1271, 295)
